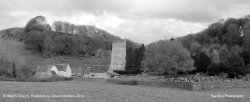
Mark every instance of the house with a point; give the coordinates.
(45, 71)
(77, 71)
(64, 70)
(98, 71)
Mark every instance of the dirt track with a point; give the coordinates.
(99, 91)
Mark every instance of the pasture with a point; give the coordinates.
(99, 91)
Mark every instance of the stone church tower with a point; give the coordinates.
(118, 56)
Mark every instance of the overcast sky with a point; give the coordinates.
(143, 21)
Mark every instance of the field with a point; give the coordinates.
(100, 91)
(77, 64)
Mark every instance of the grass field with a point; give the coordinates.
(100, 91)
(78, 64)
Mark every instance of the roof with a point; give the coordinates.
(87, 71)
(99, 68)
(61, 67)
(112, 73)
(44, 68)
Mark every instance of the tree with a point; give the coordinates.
(187, 40)
(38, 23)
(34, 39)
(141, 52)
(246, 46)
(67, 42)
(233, 35)
(14, 70)
(166, 57)
(136, 59)
(236, 50)
(215, 30)
(215, 56)
(215, 69)
(202, 61)
(228, 22)
(224, 54)
(129, 58)
(194, 48)
(235, 66)
(58, 26)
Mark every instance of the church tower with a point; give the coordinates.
(118, 56)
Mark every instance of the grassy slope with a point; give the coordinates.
(99, 91)
(34, 59)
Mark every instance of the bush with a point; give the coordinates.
(4, 72)
(124, 82)
(31, 79)
(55, 78)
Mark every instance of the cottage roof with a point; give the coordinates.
(61, 67)
(99, 68)
(44, 68)
(113, 73)
(87, 71)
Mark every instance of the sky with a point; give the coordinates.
(143, 21)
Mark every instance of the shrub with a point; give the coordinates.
(123, 82)
(25, 73)
(4, 72)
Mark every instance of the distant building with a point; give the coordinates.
(99, 71)
(46, 71)
(118, 56)
(62, 70)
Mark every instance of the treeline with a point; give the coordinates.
(64, 38)
(224, 47)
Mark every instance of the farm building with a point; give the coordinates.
(46, 71)
(77, 71)
(99, 71)
(64, 70)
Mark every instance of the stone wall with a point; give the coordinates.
(192, 86)
(118, 56)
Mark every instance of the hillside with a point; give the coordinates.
(14, 33)
(79, 45)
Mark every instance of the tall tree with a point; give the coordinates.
(167, 57)
(246, 46)
(58, 26)
(141, 55)
(215, 56)
(235, 66)
(224, 54)
(38, 23)
(129, 58)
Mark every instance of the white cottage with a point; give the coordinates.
(46, 71)
(63, 70)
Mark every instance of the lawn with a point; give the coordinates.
(100, 91)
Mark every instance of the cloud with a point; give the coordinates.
(140, 20)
